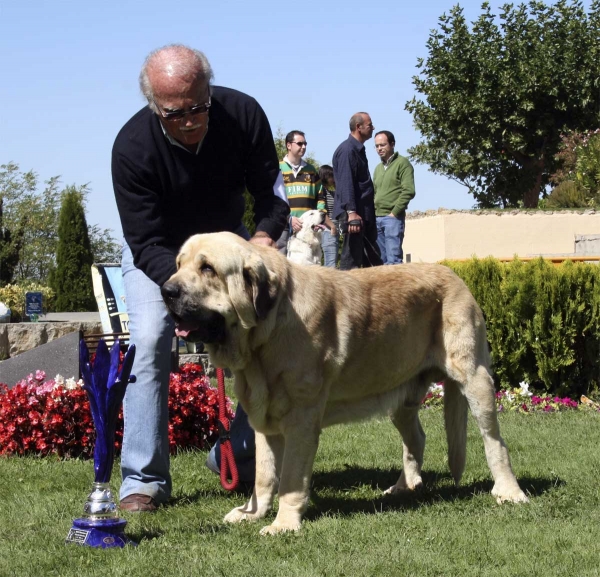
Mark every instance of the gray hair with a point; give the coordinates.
(181, 60)
(356, 120)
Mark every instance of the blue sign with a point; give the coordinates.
(33, 304)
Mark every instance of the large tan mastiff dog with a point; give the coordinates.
(312, 346)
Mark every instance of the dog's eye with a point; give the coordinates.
(206, 268)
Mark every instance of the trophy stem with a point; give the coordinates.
(100, 503)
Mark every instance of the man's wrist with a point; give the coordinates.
(261, 234)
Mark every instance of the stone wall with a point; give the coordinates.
(16, 338)
(457, 234)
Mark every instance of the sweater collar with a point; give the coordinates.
(390, 160)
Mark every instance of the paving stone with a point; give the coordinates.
(58, 357)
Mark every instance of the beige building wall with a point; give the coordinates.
(435, 235)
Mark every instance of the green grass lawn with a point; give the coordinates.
(350, 529)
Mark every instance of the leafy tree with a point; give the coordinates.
(248, 218)
(72, 279)
(104, 247)
(34, 213)
(577, 179)
(37, 210)
(11, 243)
(498, 96)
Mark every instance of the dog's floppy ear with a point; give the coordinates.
(252, 290)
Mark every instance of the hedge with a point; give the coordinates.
(13, 296)
(543, 321)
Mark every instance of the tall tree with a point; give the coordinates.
(72, 279)
(498, 96)
(11, 243)
(32, 212)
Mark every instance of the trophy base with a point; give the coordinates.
(99, 533)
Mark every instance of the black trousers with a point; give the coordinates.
(359, 249)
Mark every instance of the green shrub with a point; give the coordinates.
(248, 218)
(13, 296)
(568, 194)
(577, 179)
(543, 321)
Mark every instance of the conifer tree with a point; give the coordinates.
(72, 278)
(11, 243)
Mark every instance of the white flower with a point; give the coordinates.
(525, 389)
(71, 384)
(437, 388)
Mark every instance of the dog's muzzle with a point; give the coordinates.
(192, 323)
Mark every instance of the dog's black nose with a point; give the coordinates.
(170, 290)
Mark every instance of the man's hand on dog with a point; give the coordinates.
(263, 239)
(296, 224)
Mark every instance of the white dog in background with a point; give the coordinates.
(304, 246)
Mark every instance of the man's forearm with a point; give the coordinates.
(271, 216)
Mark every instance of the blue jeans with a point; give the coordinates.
(145, 454)
(330, 244)
(390, 234)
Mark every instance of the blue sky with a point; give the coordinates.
(70, 72)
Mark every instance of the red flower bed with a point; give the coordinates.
(53, 417)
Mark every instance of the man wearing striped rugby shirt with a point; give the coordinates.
(302, 185)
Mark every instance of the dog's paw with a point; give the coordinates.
(240, 514)
(509, 494)
(403, 485)
(276, 528)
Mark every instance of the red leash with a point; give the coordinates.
(227, 458)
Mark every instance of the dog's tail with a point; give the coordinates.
(455, 418)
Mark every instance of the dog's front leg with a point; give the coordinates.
(269, 453)
(301, 443)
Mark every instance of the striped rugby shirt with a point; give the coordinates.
(303, 187)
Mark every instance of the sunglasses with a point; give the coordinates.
(301, 144)
(179, 114)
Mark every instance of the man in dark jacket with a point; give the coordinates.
(354, 194)
(180, 167)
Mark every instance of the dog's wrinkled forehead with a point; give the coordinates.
(221, 251)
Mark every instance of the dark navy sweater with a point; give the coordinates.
(165, 194)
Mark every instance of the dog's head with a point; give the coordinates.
(313, 219)
(312, 227)
(222, 288)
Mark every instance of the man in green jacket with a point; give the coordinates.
(394, 183)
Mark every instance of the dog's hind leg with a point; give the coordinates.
(455, 419)
(406, 420)
(269, 455)
(480, 394)
(467, 362)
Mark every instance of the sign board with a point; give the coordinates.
(110, 296)
(33, 304)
